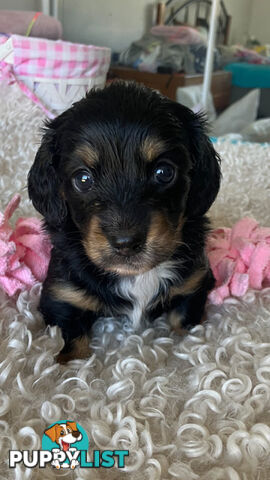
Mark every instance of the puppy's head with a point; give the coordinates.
(127, 167)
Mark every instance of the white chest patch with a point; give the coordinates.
(141, 289)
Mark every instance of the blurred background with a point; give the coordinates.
(164, 44)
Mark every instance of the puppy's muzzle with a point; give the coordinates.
(127, 244)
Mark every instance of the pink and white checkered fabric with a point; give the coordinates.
(57, 59)
(29, 61)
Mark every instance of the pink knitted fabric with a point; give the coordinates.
(239, 258)
(24, 251)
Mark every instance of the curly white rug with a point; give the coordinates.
(192, 408)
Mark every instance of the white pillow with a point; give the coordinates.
(238, 116)
(258, 131)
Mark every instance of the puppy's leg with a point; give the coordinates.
(74, 323)
(75, 349)
(186, 311)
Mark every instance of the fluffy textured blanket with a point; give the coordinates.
(186, 408)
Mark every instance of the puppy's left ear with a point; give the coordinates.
(205, 173)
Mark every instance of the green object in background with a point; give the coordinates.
(248, 75)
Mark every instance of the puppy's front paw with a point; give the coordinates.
(179, 323)
(64, 358)
(79, 349)
(176, 319)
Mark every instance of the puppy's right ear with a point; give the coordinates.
(44, 183)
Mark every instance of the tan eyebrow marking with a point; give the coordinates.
(87, 154)
(151, 148)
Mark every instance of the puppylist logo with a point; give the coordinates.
(65, 445)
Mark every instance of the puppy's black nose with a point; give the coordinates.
(76, 433)
(127, 244)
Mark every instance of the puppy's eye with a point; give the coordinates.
(164, 173)
(82, 180)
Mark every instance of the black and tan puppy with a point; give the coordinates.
(124, 179)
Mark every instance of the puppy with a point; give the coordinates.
(124, 179)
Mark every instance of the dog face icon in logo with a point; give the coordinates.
(65, 434)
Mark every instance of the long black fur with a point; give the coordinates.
(115, 121)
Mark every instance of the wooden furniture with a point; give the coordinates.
(168, 83)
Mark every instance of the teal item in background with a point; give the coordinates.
(248, 75)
